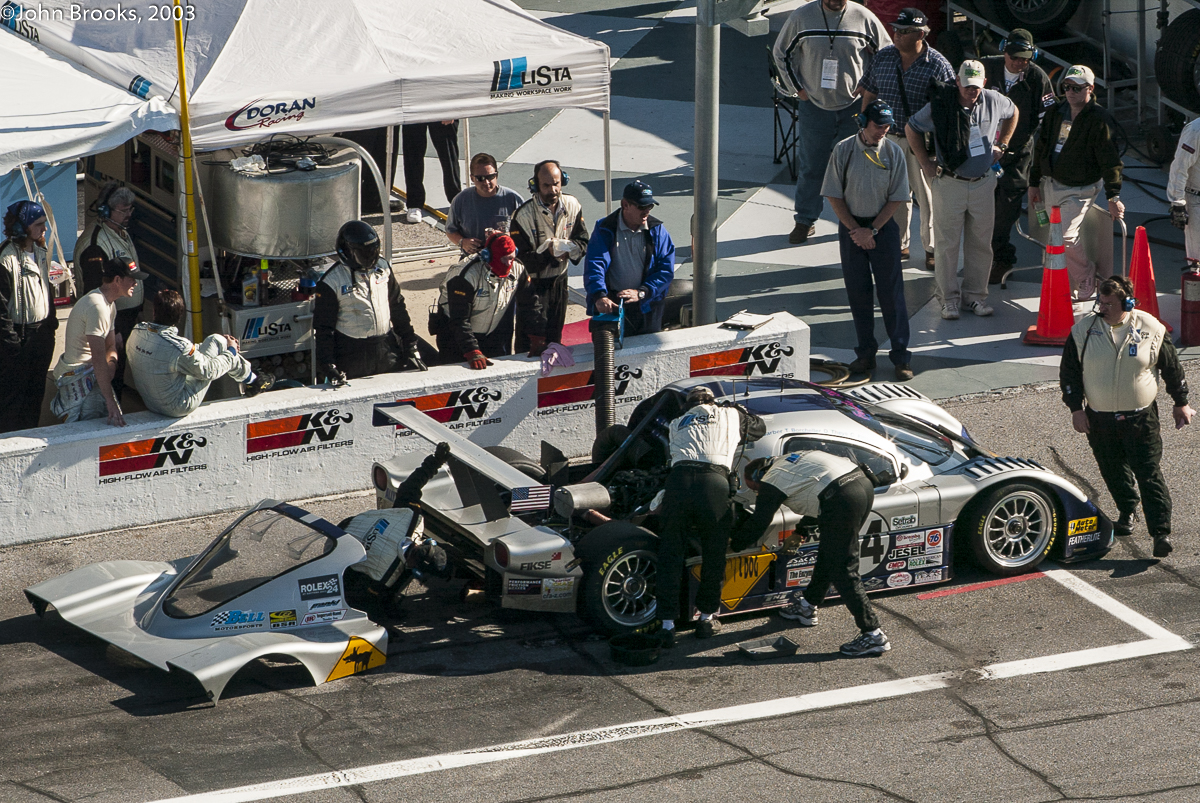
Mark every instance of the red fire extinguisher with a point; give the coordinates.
(1189, 305)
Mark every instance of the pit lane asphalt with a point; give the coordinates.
(80, 727)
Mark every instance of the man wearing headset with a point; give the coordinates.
(549, 232)
(105, 237)
(27, 319)
(865, 183)
(838, 493)
(1109, 379)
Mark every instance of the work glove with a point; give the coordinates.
(441, 453)
(411, 360)
(475, 360)
(560, 248)
(334, 375)
(1179, 215)
(537, 345)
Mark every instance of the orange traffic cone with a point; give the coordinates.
(1141, 273)
(1055, 314)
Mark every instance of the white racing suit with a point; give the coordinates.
(1183, 186)
(172, 373)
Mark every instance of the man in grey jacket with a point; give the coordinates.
(172, 373)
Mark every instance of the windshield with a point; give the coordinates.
(919, 441)
(262, 546)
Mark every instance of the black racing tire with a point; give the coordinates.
(1011, 527)
(522, 463)
(950, 45)
(1160, 144)
(1037, 16)
(1176, 60)
(620, 562)
(679, 295)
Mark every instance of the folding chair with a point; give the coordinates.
(785, 135)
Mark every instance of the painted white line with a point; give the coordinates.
(1161, 641)
(1106, 603)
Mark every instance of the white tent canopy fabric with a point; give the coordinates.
(53, 111)
(310, 66)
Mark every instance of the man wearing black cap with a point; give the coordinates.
(630, 260)
(1014, 75)
(901, 75)
(85, 370)
(866, 181)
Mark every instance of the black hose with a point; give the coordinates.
(603, 345)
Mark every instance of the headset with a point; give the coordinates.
(1128, 303)
(1004, 43)
(537, 168)
(875, 109)
(103, 210)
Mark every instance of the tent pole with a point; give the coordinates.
(390, 162)
(704, 253)
(466, 126)
(189, 186)
(384, 194)
(607, 169)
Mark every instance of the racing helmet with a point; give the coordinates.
(358, 245)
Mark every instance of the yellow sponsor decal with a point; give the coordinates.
(359, 656)
(741, 575)
(1081, 526)
(283, 616)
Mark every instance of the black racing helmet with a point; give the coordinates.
(358, 245)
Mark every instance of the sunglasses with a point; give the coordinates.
(906, 31)
(1075, 87)
(487, 177)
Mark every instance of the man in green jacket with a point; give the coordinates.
(1075, 159)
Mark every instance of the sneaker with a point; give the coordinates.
(980, 309)
(801, 233)
(862, 365)
(260, 383)
(866, 644)
(999, 268)
(707, 628)
(928, 260)
(800, 611)
(1124, 525)
(950, 311)
(1162, 546)
(904, 372)
(413, 216)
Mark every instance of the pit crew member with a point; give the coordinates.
(27, 319)
(1183, 189)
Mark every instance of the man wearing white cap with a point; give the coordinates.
(971, 128)
(1074, 159)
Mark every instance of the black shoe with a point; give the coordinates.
(999, 268)
(260, 383)
(707, 628)
(903, 254)
(666, 639)
(929, 266)
(1162, 546)
(862, 365)
(1124, 525)
(904, 372)
(801, 233)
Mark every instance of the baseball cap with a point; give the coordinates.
(1079, 74)
(1020, 44)
(971, 74)
(120, 266)
(639, 192)
(911, 18)
(879, 113)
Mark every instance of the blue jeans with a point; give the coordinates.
(882, 262)
(819, 131)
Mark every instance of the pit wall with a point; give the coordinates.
(86, 477)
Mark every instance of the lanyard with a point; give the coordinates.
(873, 160)
(829, 30)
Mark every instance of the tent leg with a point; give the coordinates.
(607, 168)
(390, 161)
(466, 127)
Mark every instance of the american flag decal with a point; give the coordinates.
(535, 497)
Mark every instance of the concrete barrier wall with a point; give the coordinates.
(88, 477)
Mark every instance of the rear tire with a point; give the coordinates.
(520, 462)
(620, 566)
(1012, 528)
(1037, 16)
(1175, 60)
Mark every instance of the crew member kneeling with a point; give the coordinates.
(480, 299)
(359, 315)
(172, 373)
(703, 443)
(839, 494)
(398, 549)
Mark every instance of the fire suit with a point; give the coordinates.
(173, 373)
(476, 310)
(358, 317)
(547, 241)
(1183, 185)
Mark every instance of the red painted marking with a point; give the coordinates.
(977, 586)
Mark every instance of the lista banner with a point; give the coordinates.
(87, 477)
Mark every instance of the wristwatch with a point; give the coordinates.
(641, 294)
(1003, 146)
(874, 232)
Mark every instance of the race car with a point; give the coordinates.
(270, 584)
(545, 536)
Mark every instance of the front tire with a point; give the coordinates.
(619, 577)
(526, 465)
(1012, 528)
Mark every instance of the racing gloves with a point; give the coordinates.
(1179, 215)
(411, 360)
(334, 375)
(476, 360)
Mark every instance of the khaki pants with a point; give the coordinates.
(1073, 204)
(963, 219)
(920, 190)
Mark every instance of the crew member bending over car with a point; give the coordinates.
(360, 320)
(374, 584)
(703, 442)
(480, 298)
(838, 493)
(172, 373)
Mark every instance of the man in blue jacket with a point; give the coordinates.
(630, 258)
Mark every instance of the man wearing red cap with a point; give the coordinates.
(478, 305)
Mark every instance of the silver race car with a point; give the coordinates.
(544, 535)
